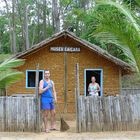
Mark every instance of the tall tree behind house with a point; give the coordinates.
(55, 16)
(9, 25)
(44, 19)
(13, 27)
(26, 31)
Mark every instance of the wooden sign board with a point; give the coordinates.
(65, 49)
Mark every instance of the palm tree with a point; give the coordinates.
(8, 75)
(118, 25)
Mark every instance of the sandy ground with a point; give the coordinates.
(71, 135)
(129, 135)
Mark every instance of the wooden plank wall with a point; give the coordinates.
(109, 113)
(17, 114)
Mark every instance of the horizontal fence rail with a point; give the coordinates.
(17, 114)
(126, 91)
(109, 113)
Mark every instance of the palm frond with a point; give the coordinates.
(124, 10)
(12, 63)
(108, 38)
(10, 78)
(138, 2)
(120, 31)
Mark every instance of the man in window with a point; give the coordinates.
(48, 97)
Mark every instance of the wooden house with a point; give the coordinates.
(60, 54)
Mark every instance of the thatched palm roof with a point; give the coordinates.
(85, 43)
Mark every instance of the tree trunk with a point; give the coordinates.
(26, 27)
(55, 16)
(13, 27)
(38, 19)
(22, 42)
(44, 20)
(10, 25)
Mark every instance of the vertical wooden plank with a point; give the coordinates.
(34, 103)
(13, 114)
(117, 112)
(106, 114)
(97, 113)
(111, 118)
(77, 97)
(22, 114)
(124, 112)
(91, 112)
(87, 116)
(17, 113)
(4, 113)
(138, 107)
(1, 114)
(100, 112)
(65, 81)
(79, 115)
(8, 113)
(84, 114)
(37, 100)
(137, 110)
(10, 116)
(129, 117)
(27, 112)
(138, 100)
(133, 110)
(111, 115)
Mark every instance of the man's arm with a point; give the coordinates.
(41, 89)
(54, 92)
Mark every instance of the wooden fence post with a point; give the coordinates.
(37, 100)
(77, 93)
(65, 81)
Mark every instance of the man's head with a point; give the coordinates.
(47, 74)
(93, 79)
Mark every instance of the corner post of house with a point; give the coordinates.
(120, 80)
(77, 93)
(37, 99)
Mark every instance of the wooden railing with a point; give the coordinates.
(18, 114)
(108, 113)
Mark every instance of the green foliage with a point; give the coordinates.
(8, 75)
(11, 63)
(108, 24)
(118, 25)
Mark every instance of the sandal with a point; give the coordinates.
(47, 131)
(53, 129)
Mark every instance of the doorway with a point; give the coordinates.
(88, 73)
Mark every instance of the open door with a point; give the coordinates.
(98, 74)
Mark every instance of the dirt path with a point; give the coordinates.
(71, 135)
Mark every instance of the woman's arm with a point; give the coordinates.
(89, 88)
(98, 87)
